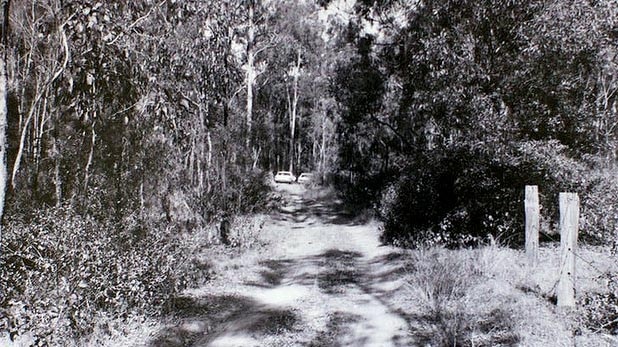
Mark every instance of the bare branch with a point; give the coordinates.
(403, 139)
(136, 22)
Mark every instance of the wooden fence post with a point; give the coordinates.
(569, 225)
(531, 205)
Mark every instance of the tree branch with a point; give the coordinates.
(403, 139)
(136, 22)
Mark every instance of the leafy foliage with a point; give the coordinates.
(599, 215)
(449, 201)
(601, 309)
(61, 269)
(129, 119)
(464, 103)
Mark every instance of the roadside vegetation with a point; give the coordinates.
(135, 128)
(449, 109)
(69, 278)
(490, 296)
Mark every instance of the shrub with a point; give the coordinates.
(248, 193)
(453, 309)
(455, 199)
(360, 190)
(254, 192)
(460, 196)
(60, 269)
(599, 214)
(244, 229)
(601, 309)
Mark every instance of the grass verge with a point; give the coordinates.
(490, 296)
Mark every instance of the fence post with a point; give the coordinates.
(569, 225)
(531, 206)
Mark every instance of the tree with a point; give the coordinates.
(295, 77)
(462, 98)
(3, 107)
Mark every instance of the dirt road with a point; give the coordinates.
(321, 280)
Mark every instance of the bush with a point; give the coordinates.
(244, 229)
(599, 214)
(452, 307)
(248, 193)
(254, 192)
(601, 309)
(453, 200)
(360, 190)
(60, 270)
(460, 196)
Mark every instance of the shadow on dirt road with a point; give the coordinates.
(205, 318)
(321, 283)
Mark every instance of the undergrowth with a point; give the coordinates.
(65, 276)
(447, 285)
(491, 296)
(600, 310)
(61, 269)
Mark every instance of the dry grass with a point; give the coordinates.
(456, 307)
(488, 296)
(491, 297)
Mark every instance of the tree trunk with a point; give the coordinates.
(208, 162)
(3, 109)
(323, 149)
(293, 112)
(40, 132)
(298, 155)
(227, 88)
(55, 156)
(24, 133)
(224, 171)
(250, 71)
(90, 158)
(290, 149)
(190, 163)
(57, 178)
(200, 173)
(141, 200)
(256, 157)
(314, 152)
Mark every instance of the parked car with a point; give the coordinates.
(285, 177)
(305, 178)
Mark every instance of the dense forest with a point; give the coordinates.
(445, 115)
(129, 123)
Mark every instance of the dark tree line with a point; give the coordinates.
(448, 108)
(132, 124)
(125, 107)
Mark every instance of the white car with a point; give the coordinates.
(305, 178)
(284, 177)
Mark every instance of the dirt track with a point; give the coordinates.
(321, 281)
